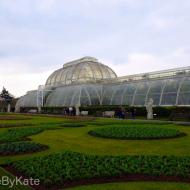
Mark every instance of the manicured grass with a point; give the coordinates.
(136, 186)
(136, 133)
(77, 139)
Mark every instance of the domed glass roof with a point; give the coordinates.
(86, 69)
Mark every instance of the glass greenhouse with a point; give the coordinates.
(86, 81)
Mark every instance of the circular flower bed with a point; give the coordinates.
(136, 133)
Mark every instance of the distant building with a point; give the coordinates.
(86, 81)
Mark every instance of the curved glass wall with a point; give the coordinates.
(164, 92)
(73, 95)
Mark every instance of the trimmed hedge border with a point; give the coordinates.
(136, 133)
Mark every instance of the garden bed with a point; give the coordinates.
(136, 133)
(73, 125)
(71, 169)
(10, 117)
(19, 134)
(10, 125)
(16, 148)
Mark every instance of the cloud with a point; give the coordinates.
(146, 62)
(15, 82)
(131, 36)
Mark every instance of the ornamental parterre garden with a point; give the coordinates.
(89, 153)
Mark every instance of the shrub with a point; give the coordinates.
(53, 110)
(27, 109)
(162, 111)
(180, 114)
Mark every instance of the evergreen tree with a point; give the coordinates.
(6, 96)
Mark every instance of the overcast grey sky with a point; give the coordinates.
(131, 36)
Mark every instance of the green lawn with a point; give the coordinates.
(78, 140)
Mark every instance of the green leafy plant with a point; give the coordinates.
(18, 134)
(71, 166)
(20, 148)
(136, 132)
(73, 124)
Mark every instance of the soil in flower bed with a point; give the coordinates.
(136, 132)
(102, 180)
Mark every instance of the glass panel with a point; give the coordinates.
(172, 85)
(85, 73)
(185, 87)
(96, 71)
(63, 76)
(140, 99)
(141, 93)
(142, 88)
(117, 95)
(58, 77)
(169, 98)
(155, 97)
(107, 94)
(84, 99)
(184, 95)
(127, 95)
(184, 98)
(170, 92)
(94, 94)
(127, 100)
(155, 91)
